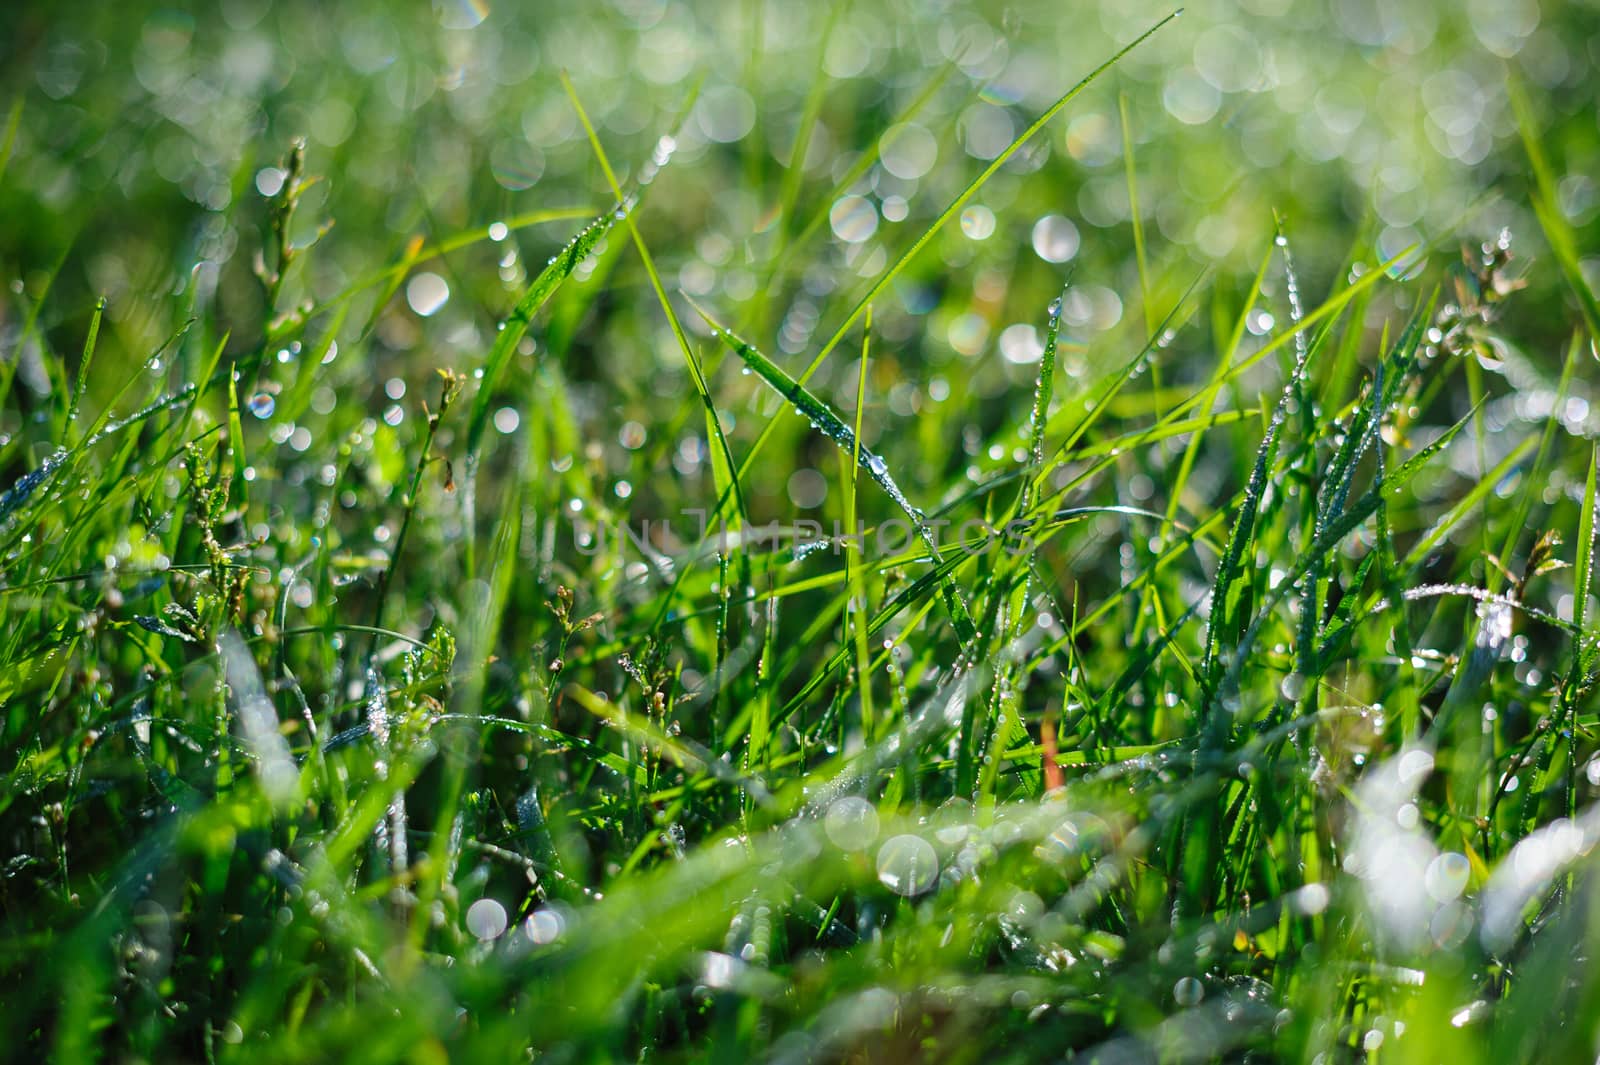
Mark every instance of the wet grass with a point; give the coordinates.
(1215, 683)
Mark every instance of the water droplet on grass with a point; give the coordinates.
(853, 219)
(262, 404)
(544, 926)
(908, 151)
(806, 548)
(1446, 876)
(852, 824)
(1055, 238)
(907, 865)
(426, 293)
(486, 919)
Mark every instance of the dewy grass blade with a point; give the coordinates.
(1043, 392)
(725, 471)
(1244, 527)
(515, 326)
(87, 361)
(824, 420)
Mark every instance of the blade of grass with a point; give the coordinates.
(1139, 257)
(1546, 206)
(1583, 575)
(856, 587)
(830, 425)
(85, 362)
(515, 326)
(13, 123)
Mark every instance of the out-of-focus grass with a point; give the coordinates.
(1212, 678)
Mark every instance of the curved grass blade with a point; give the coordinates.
(1043, 392)
(84, 365)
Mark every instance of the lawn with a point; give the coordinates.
(676, 531)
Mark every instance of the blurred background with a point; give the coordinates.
(147, 127)
(806, 146)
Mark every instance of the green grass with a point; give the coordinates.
(1213, 677)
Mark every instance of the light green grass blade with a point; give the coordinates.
(856, 588)
(1131, 172)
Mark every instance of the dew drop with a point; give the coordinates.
(907, 865)
(852, 822)
(486, 919)
(426, 293)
